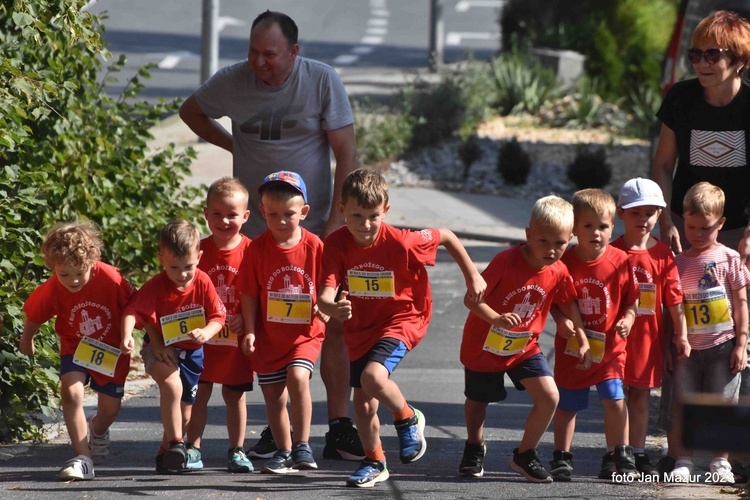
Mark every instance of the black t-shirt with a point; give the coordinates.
(711, 146)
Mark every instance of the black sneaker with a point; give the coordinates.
(527, 464)
(625, 463)
(302, 457)
(665, 465)
(472, 461)
(342, 442)
(172, 461)
(608, 466)
(279, 463)
(643, 464)
(561, 466)
(265, 447)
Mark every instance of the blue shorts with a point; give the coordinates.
(111, 389)
(189, 364)
(576, 400)
(388, 352)
(489, 387)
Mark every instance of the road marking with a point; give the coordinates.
(465, 5)
(377, 29)
(455, 38)
(171, 60)
(363, 50)
(229, 21)
(345, 59)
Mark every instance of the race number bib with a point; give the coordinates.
(97, 356)
(707, 311)
(175, 327)
(378, 284)
(504, 342)
(597, 340)
(647, 300)
(294, 308)
(224, 337)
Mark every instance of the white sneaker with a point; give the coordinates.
(80, 468)
(99, 444)
(721, 471)
(683, 470)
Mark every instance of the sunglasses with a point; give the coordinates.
(711, 56)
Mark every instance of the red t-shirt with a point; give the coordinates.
(605, 288)
(387, 284)
(656, 274)
(225, 364)
(514, 286)
(159, 298)
(284, 280)
(95, 311)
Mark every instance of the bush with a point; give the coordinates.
(69, 151)
(469, 151)
(589, 168)
(522, 85)
(436, 110)
(513, 163)
(380, 134)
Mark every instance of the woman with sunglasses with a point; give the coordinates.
(705, 135)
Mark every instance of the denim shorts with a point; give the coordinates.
(707, 371)
(576, 400)
(489, 387)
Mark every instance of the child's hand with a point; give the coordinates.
(683, 348)
(26, 346)
(235, 323)
(623, 327)
(248, 344)
(738, 360)
(475, 287)
(200, 335)
(584, 358)
(343, 310)
(127, 345)
(165, 354)
(565, 328)
(507, 320)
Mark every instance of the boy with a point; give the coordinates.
(714, 282)
(501, 331)
(181, 311)
(224, 363)
(386, 305)
(278, 285)
(607, 296)
(639, 205)
(88, 297)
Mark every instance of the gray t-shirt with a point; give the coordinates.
(281, 128)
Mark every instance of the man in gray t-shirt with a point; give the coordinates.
(287, 113)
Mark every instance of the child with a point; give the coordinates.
(386, 305)
(278, 285)
(501, 331)
(181, 311)
(714, 282)
(639, 205)
(88, 297)
(607, 296)
(224, 363)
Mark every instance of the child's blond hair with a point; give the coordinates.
(366, 187)
(597, 201)
(78, 244)
(552, 211)
(227, 187)
(704, 199)
(180, 237)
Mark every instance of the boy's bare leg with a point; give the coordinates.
(298, 386)
(366, 418)
(71, 394)
(615, 422)
(543, 392)
(476, 412)
(377, 384)
(275, 396)
(107, 410)
(334, 370)
(170, 391)
(199, 416)
(565, 426)
(236, 416)
(637, 408)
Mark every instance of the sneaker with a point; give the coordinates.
(664, 466)
(279, 463)
(472, 461)
(625, 463)
(99, 444)
(370, 473)
(238, 461)
(721, 471)
(740, 472)
(643, 464)
(411, 441)
(561, 466)
(302, 457)
(342, 442)
(527, 464)
(265, 447)
(194, 460)
(683, 470)
(608, 466)
(80, 468)
(173, 460)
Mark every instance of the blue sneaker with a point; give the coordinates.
(411, 441)
(194, 458)
(302, 457)
(370, 473)
(280, 463)
(238, 461)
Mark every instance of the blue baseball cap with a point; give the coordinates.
(285, 177)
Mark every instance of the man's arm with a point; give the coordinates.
(203, 125)
(661, 172)
(344, 149)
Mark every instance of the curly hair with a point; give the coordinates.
(75, 243)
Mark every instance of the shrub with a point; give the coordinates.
(436, 110)
(589, 168)
(522, 85)
(469, 151)
(380, 134)
(513, 163)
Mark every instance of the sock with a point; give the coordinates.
(405, 412)
(639, 450)
(376, 454)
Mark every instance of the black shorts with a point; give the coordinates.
(489, 387)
